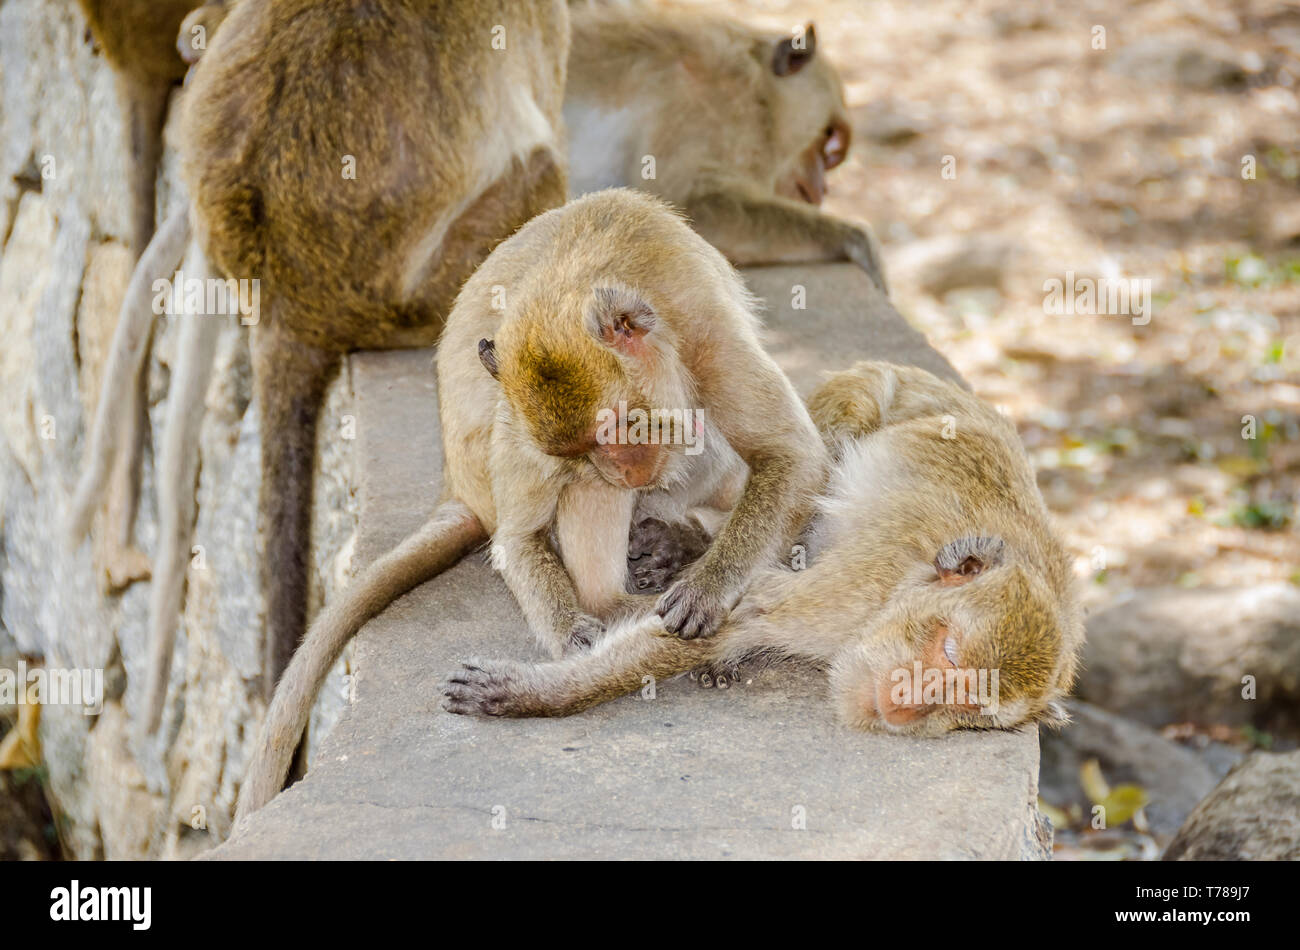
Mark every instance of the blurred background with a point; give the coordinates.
(1171, 154)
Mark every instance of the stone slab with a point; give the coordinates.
(759, 771)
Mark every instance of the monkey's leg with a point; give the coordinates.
(536, 576)
(178, 471)
(290, 378)
(752, 229)
(630, 656)
(592, 523)
(617, 665)
(872, 394)
(148, 108)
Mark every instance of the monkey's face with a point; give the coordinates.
(594, 396)
(975, 644)
(812, 123)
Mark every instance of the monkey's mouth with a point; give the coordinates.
(806, 184)
(630, 466)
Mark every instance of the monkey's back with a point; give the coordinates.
(329, 145)
(922, 461)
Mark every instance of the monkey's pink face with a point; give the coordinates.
(629, 465)
(589, 398)
(918, 690)
(807, 180)
(972, 647)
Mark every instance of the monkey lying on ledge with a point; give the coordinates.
(931, 556)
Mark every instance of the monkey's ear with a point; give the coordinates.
(966, 558)
(487, 354)
(794, 52)
(619, 318)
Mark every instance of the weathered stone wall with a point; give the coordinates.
(64, 265)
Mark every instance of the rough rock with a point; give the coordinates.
(1253, 815)
(1186, 60)
(1171, 654)
(1174, 778)
(64, 218)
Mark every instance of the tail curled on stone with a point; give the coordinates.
(451, 532)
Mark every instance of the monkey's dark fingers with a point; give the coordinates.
(690, 611)
(860, 248)
(475, 691)
(716, 675)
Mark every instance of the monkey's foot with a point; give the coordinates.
(123, 567)
(658, 551)
(720, 675)
(483, 688)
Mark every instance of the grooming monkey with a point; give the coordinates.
(735, 127)
(931, 551)
(360, 160)
(611, 299)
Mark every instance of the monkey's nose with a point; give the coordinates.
(895, 713)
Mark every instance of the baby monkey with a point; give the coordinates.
(935, 593)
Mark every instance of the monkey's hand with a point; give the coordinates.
(586, 630)
(487, 688)
(695, 606)
(861, 248)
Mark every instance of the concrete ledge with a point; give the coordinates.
(690, 774)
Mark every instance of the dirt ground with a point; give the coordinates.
(1132, 161)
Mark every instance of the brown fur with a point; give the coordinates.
(738, 144)
(920, 537)
(685, 336)
(138, 37)
(414, 91)
(455, 145)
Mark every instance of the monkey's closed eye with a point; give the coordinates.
(950, 650)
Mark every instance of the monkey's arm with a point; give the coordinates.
(620, 663)
(761, 417)
(752, 228)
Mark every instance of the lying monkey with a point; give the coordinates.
(609, 301)
(931, 552)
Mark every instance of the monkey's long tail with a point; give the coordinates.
(444, 539)
(125, 363)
